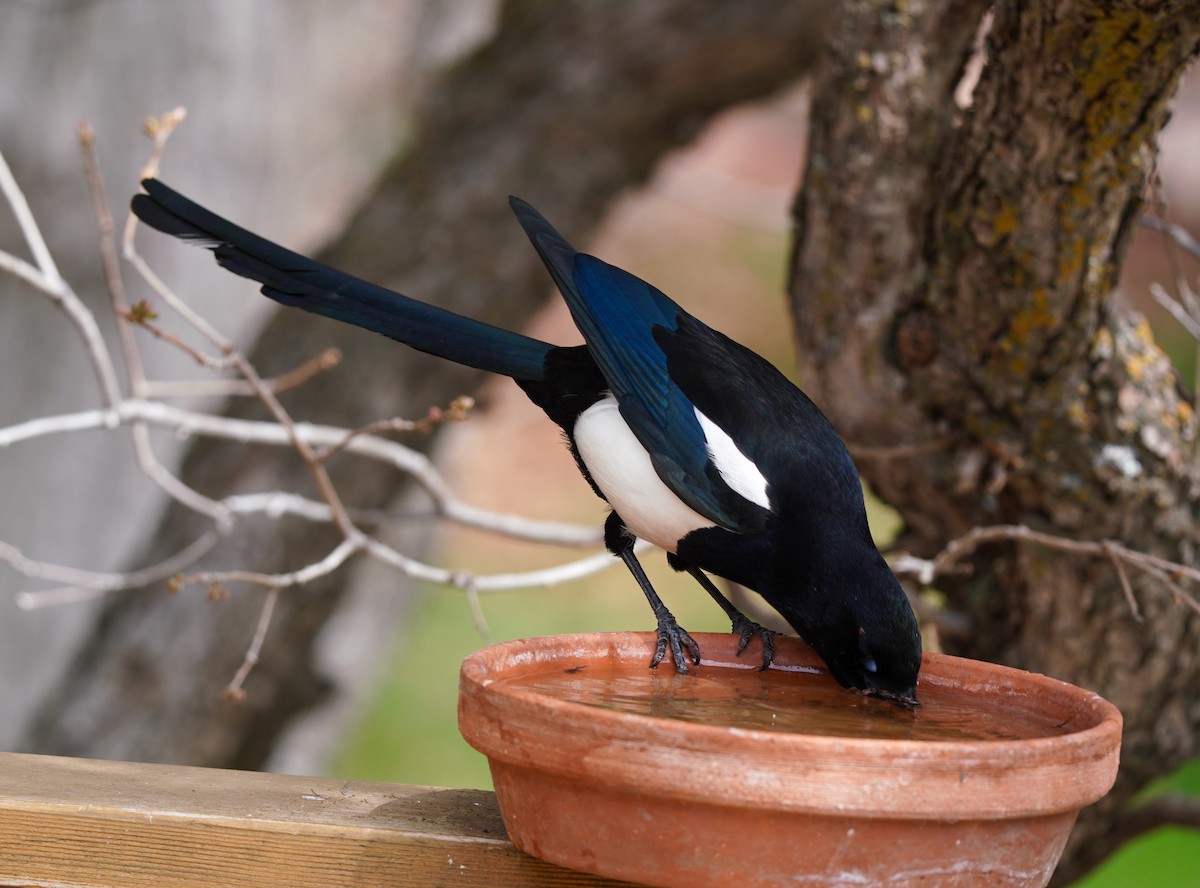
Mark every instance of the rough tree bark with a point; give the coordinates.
(951, 283)
(570, 103)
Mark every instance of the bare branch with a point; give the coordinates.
(29, 227)
(108, 252)
(1110, 551)
(85, 583)
(1181, 595)
(139, 434)
(233, 691)
(1176, 308)
(313, 444)
(458, 410)
(1183, 304)
(201, 388)
(467, 582)
(204, 360)
(404, 459)
(957, 550)
(49, 281)
(181, 308)
(325, 566)
(1177, 233)
(1165, 810)
(159, 129)
(315, 467)
(19, 268)
(488, 583)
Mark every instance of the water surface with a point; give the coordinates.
(796, 702)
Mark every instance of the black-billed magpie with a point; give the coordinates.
(699, 445)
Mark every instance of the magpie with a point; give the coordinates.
(697, 444)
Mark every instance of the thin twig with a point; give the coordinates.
(233, 691)
(1176, 308)
(28, 224)
(139, 434)
(159, 129)
(109, 261)
(491, 583)
(99, 582)
(457, 411)
(1110, 551)
(1181, 595)
(89, 584)
(318, 472)
(50, 282)
(1176, 237)
(404, 459)
(22, 270)
(1183, 304)
(247, 371)
(466, 581)
(147, 274)
(1177, 233)
(203, 359)
(327, 565)
(141, 411)
(411, 567)
(204, 388)
(1163, 564)
(957, 550)
(60, 596)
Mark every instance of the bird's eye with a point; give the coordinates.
(869, 665)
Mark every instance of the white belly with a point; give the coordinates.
(622, 470)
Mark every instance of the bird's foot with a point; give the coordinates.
(747, 629)
(682, 645)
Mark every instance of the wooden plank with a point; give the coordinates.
(94, 824)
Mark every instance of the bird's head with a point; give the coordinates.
(864, 629)
(876, 660)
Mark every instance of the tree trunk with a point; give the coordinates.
(569, 104)
(951, 285)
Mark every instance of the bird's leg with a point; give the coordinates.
(742, 625)
(670, 634)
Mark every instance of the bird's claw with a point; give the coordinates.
(747, 629)
(671, 634)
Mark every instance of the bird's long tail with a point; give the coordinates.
(292, 279)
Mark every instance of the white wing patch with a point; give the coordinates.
(737, 469)
(621, 468)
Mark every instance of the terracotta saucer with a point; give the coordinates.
(587, 780)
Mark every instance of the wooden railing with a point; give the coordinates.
(80, 822)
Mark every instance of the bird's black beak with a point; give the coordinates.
(906, 700)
